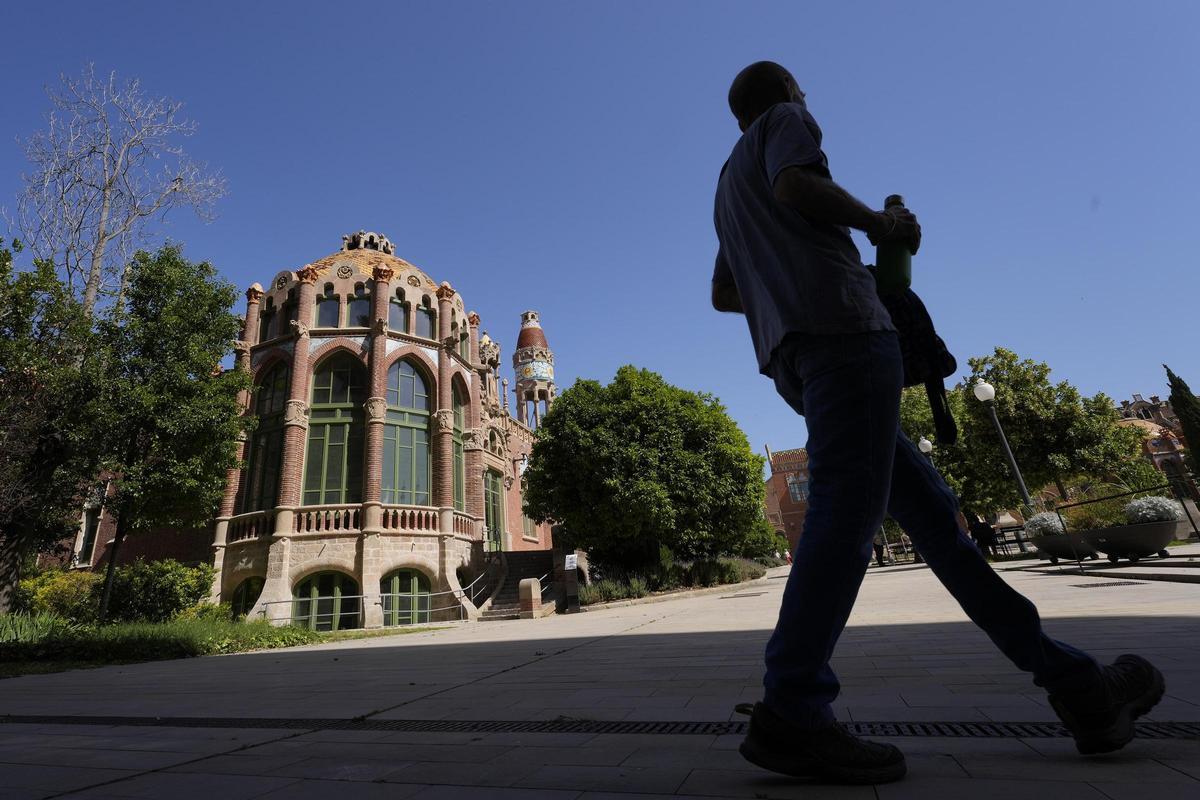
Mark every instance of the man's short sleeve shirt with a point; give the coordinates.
(793, 275)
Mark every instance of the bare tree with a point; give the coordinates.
(108, 163)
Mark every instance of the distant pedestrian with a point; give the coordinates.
(880, 545)
(984, 536)
(786, 260)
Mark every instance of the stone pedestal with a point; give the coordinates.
(531, 598)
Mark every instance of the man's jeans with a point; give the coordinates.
(861, 465)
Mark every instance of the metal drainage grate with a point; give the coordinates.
(1106, 584)
(983, 730)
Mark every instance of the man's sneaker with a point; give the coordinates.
(830, 755)
(1101, 720)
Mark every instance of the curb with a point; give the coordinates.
(665, 596)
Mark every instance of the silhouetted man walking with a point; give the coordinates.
(786, 260)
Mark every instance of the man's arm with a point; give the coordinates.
(725, 298)
(725, 295)
(808, 190)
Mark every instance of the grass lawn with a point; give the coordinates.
(133, 649)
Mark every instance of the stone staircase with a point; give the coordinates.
(521, 565)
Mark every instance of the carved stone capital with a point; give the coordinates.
(445, 292)
(300, 328)
(473, 319)
(307, 274)
(376, 408)
(383, 274)
(241, 347)
(444, 419)
(295, 412)
(254, 293)
(450, 344)
(379, 327)
(473, 439)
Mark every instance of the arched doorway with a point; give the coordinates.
(327, 601)
(406, 598)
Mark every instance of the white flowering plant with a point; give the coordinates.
(1153, 509)
(1046, 523)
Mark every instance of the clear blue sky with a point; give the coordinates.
(562, 157)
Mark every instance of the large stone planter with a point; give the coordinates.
(1134, 541)
(1059, 545)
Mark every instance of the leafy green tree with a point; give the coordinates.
(1187, 408)
(1057, 435)
(48, 374)
(170, 414)
(640, 465)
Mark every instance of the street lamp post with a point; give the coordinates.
(926, 447)
(986, 393)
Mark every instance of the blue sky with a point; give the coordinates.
(562, 157)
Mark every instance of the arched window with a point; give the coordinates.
(493, 509)
(358, 309)
(405, 595)
(266, 445)
(290, 313)
(246, 595)
(327, 601)
(460, 462)
(464, 346)
(328, 308)
(266, 316)
(398, 313)
(427, 319)
(407, 466)
(333, 464)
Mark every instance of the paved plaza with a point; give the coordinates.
(909, 656)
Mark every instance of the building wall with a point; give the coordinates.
(786, 508)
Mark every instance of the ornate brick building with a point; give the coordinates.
(384, 463)
(787, 492)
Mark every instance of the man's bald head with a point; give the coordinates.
(757, 88)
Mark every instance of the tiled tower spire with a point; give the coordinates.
(533, 362)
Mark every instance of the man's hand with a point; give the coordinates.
(897, 224)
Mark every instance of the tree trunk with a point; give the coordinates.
(96, 269)
(110, 571)
(10, 572)
(1062, 490)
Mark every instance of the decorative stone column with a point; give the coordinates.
(376, 404)
(233, 476)
(253, 306)
(473, 434)
(443, 474)
(295, 433)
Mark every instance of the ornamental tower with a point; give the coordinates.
(533, 363)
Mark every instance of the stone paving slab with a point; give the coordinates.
(908, 656)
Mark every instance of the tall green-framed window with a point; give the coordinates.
(398, 312)
(329, 308)
(528, 529)
(266, 445)
(358, 307)
(246, 595)
(427, 319)
(493, 508)
(334, 461)
(407, 465)
(464, 346)
(405, 596)
(327, 601)
(460, 460)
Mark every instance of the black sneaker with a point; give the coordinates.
(829, 755)
(1101, 720)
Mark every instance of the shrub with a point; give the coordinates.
(69, 594)
(1153, 509)
(210, 612)
(1046, 523)
(33, 627)
(156, 591)
(638, 587)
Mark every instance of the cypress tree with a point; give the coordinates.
(1187, 408)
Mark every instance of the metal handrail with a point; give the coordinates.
(362, 606)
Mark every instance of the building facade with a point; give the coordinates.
(787, 492)
(384, 462)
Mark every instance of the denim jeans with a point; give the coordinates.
(861, 465)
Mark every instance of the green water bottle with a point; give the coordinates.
(893, 260)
